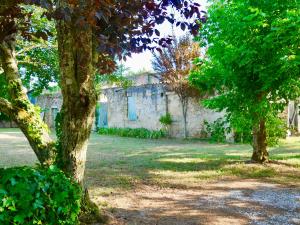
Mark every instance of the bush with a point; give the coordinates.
(216, 130)
(133, 132)
(166, 119)
(38, 196)
(275, 127)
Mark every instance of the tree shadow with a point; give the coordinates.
(231, 205)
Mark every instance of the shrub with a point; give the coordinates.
(166, 119)
(133, 132)
(38, 196)
(275, 127)
(216, 130)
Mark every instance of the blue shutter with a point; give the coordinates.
(131, 109)
(103, 115)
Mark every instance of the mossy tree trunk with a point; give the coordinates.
(18, 106)
(77, 57)
(76, 54)
(260, 152)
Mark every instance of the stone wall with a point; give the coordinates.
(50, 104)
(148, 102)
(152, 102)
(293, 117)
(196, 115)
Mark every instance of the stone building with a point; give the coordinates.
(50, 104)
(142, 105)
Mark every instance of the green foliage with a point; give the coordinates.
(241, 127)
(166, 119)
(117, 78)
(253, 62)
(216, 130)
(58, 131)
(97, 114)
(275, 127)
(133, 132)
(38, 57)
(38, 196)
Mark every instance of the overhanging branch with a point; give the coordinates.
(6, 107)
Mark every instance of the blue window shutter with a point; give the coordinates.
(131, 109)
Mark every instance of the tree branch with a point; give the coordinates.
(6, 107)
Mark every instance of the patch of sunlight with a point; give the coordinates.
(180, 176)
(290, 140)
(182, 160)
(8, 137)
(171, 174)
(287, 155)
(238, 153)
(177, 153)
(184, 179)
(286, 148)
(249, 170)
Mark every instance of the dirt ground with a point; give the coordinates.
(218, 203)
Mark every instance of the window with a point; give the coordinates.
(131, 107)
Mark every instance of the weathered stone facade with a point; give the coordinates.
(50, 104)
(150, 102)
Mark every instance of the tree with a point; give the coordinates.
(15, 103)
(37, 58)
(173, 64)
(253, 62)
(90, 34)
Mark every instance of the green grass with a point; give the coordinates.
(118, 163)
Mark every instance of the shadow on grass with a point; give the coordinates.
(126, 171)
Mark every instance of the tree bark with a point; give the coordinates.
(19, 108)
(76, 53)
(184, 107)
(260, 152)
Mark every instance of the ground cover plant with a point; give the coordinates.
(133, 132)
(38, 196)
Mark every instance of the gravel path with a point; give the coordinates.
(225, 202)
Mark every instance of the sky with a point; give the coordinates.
(142, 61)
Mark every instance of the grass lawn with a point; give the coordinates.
(181, 182)
(123, 163)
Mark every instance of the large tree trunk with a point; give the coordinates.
(77, 56)
(260, 152)
(19, 108)
(75, 44)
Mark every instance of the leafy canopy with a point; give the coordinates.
(253, 59)
(120, 27)
(173, 65)
(37, 56)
